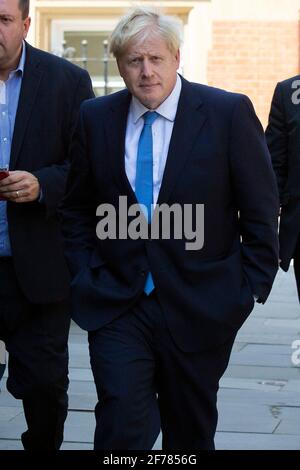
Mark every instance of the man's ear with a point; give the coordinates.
(119, 67)
(177, 57)
(27, 23)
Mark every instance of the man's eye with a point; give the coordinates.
(5, 20)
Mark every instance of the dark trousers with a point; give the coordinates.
(297, 266)
(144, 383)
(36, 338)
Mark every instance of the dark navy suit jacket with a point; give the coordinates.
(217, 157)
(283, 138)
(51, 92)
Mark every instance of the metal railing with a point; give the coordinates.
(69, 53)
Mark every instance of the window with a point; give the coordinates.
(81, 42)
(87, 49)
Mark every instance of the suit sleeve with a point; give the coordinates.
(256, 197)
(53, 178)
(277, 140)
(78, 209)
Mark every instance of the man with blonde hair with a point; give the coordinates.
(162, 315)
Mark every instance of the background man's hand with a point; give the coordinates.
(20, 186)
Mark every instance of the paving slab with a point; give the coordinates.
(272, 359)
(262, 372)
(276, 309)
(252, 384)
(268, 349)
(258, 397)
(80, 427)
(11, 444)
(289, 421)
(256, 441)
(292, 386)
(77, 446)
(267, 338)
(8, 412)
(82, 402)
(80, 374)
(246, 418)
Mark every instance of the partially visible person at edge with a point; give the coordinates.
(2, 361)
(283, 139)
(162, 318)
(40, 95)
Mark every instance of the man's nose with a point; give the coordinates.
(147, 70)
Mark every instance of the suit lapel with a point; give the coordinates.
(29, 89)
(189, 120)
(115, 132)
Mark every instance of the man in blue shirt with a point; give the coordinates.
(161, 314)
(40, 95)
(10, 86)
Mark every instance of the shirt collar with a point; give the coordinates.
(21, 64)
(167, 109)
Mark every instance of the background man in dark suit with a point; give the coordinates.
(283, 139)
(162, 318)
(40, 97)
(2, 360)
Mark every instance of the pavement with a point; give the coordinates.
(259, 397)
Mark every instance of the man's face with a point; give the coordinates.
(13, 29)
(149, 69)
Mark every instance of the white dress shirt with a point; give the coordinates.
(161, 132)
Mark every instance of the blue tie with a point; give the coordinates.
(144, 175)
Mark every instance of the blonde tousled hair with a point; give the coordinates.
(142, 22)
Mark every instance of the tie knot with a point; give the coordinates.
(149, 117)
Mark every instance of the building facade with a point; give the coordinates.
(240, 45)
